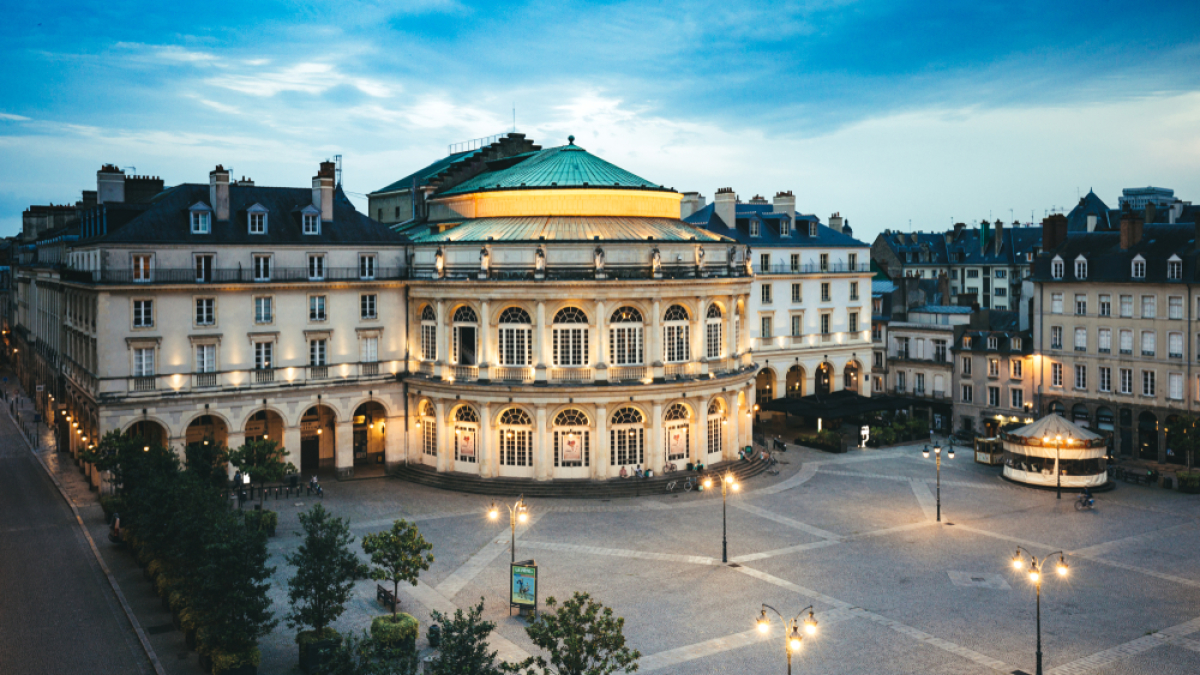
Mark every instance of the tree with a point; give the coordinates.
(1184, 436)
(464, 647)
(263, 460)
(206, 460)
(582, 638)
(362, 655)
(326, 568)
(231, 602)
(398, 555)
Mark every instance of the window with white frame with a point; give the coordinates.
(1016, 398)
(143, 268)
(143, 362)
(143, 313)
(429, 334)
(264, 309)
(823, 262)
(262, 268)
(713, 327)
(1139, 268)
(797, 325)
(1015, 344)
(1080, 304)
(994, 396)
(1056, 268)
(1081, 268)
(464, 331)
(257, 221)
(516, 337)
(968, 393)
(366, 267)
(853, 290)
(1126, 375)
(625, 333)
(428, 430)
(993, 343)
(264, 353)
(852, 261)
(1174, 268)
(1056, 303)
(993, 367)
(676, 335)
(368, 349)
(812, 229)
(766, 293)
(1080, 376)
(1105, 383)
(1080, 339)
(1148, 382)
(570, 337)
(825, 294)
(516, 438)
(1175, 307)
(317, 352)
(966, 365)
(1056, 337)
(201, 222)
(206, 358)
(1149, 306)
(853, 322)
(753, 227)
(1148, 342)
(1016, 369)
(797, 293)
(1104, 340)
(1126, 341)
(1056, 375)
(795, 260)
(765, 323)
(206, 311)
(1105, 304)
(1175, 345)
(1127, 306)
(316, 267)
(316, 308)
(312, 223)
(826, 320)
(367, 304)
(1175, 386)
(785, 227)
(204, 268)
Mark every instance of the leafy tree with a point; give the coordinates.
(326, 568)
(582, 637)
(362, 655)
(264, 461)
(398, 555)
(231, 600)
(464, 646)
(1184, 436)
(207, 460)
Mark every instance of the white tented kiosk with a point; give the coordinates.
(1036, 453)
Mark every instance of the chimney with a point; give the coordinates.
(218, 192)
(999, 236)
(1054, 231)
(322, 191)
(110, 184)
(725, 206)
(984, 232)
(758, 199)
(784, 202)
(836, 222)
(958, 229)
(691, 203)
(1131, 229)
(1151, 212)
(944, 288)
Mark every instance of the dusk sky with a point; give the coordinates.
(888, 112)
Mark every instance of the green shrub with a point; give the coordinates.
(1189, 482)
(177, 601)
(306, 637)
(154, 569)
(112, 504)
(223, 662)
(264, 521)
(392, 631)
(163, 585)
(186, 620)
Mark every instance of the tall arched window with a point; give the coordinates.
(625, 338)
(428, 430)
(466, 325)
(716, 427)
(675, 335)
(466, 428)
(570, 337)
(516, 337)
(572, 438)
(678, 431)
(516, 438)
(626, 437)
(428, 334)
(713, 345)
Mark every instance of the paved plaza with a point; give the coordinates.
(852, 534)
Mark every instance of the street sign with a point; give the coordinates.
(41, 387)
(523, 592)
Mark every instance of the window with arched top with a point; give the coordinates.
(466, 430)
(625, 337)
(465, 414)
(678, 432)
(716, 427)
(677, 411)
(515, 337)
(713, 332)
(570, 337)
(676, 334)
(428, 334)
(465, 335)
(572, 439)
(516, 438)
(626, 437)
(465, 314)
(428, 429)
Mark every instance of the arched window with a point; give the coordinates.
(516, 337)
(716, 428)
(626, 437)
(625, 338)
(466, 326)
(676, 335)
(678, 431)
(428, 334)
(713, 343)
(516, 438)
(570, 337)
(572, 438)
(428, 430)
(466, 426)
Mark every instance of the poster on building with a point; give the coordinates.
(466, 442)
(524, 584)
(572, 448)
(677, 441)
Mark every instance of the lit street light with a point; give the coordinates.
(517, 513)
(937, 451)
(793, 640)
(727, 483)
(1035, 577)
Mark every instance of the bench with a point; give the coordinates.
(386, 598)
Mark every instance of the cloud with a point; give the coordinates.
(305, 77)
(9, 117)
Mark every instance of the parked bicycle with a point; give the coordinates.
(669, 467)
(686, 484)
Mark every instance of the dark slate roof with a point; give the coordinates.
(965, 247)
(424, 175)
(561, 167)
(167, 219)
(1110, 219)
(1107, 262)
(940, 309)
(768, 229)
(567, 228)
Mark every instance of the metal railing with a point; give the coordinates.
(204, 380)
(264, 376)
(318, 372)
(512, 373)
(189, 275)
(571, 374)
(813, 268)
(627, 373)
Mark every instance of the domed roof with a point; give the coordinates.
(1052, 426)
(566, 166)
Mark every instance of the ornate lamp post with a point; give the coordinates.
(728, 482)
(517, 513)
(937, 452)
(793, 640)
(1035, 577)
(1058, 441)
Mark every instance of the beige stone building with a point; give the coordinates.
(994, 373)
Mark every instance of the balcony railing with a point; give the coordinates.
(571, 374)
(368, 369)
(189, 275)
(425, 367)
(512, 373)
(466, 372)
(677, 370)
(264, 376)
(813, 268)
(204, 380)
(580, 272)
(318, 372)
(627, 373)
(144, 383)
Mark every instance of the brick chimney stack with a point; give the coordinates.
(1131, 229)
(218, 192)
(784, 202)
(110, 184)
(836, 222)
(998, 237)
(1054, 231)
(322, 191)
(725, 206)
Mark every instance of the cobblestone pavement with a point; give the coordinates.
(58, 613)
(853, 534)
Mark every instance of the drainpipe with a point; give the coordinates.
(1037, 346)
(407, 342)
(1187, 384)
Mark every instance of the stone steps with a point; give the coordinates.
(613, 488)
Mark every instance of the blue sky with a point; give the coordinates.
(888, 112)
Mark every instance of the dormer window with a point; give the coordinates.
(753, 227)
(993, 343)
(812, 229)
(1080, 268)
(201, 218)
(785, 227)
(1174, 268)
(256, 219)
(966, 342)
(312, 223)
(1139, 268)
(1015, 344)
(1056, 268)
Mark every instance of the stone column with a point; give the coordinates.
(541, 345)
(291, 445)
(486, 453)
(443, 345)
(697, 333)
(701, 418)
(542, 469)
(485, 341)
(656, 455)
(600, 450)
(343, 452)
(730, 324)
(655, 345)
(443, 443)
(600, 354)
(394, 442)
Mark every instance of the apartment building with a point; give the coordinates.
(994, 373)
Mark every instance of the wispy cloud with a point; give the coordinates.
(9, 117)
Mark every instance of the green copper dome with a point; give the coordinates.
(567, 166)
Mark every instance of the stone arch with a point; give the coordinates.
(795, 381)
(199, 430)
(498, 310)
(241, 422)
(564, 309)
(1056, 408)
(463, 421)
(150, 429)
(369, 426)
(852, 375)
(1147, 432)
(318, 435)
(765, 383)
(498, 411)
(823, 379)
(1081, 416)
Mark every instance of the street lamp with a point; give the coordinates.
(1035, 578)
(517, 513)
(937, 452)
(793, 640)
(728, 482)
(1058, 441)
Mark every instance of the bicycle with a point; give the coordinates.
(772, 466)
(1082, 502)
(669, 467)
(687, 484)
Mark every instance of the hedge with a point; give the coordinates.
(393, 631)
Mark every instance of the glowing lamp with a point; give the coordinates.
(810, 624)
(764, 624)
(1062, 567)
(795, 639)
(707, 483)
(1034, 576)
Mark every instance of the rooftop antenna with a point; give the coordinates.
(337, 172)
(514, 117)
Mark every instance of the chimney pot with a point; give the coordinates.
(218, 192)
